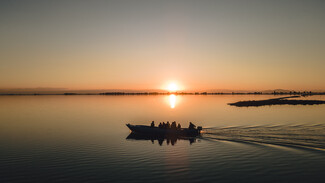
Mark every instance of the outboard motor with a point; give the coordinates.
(199, 128)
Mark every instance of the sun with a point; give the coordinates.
(172, 87)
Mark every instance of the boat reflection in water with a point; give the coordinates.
(170, 139)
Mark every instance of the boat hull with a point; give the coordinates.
(142, 129)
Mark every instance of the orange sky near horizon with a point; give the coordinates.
(253, 45)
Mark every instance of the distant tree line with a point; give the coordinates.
(302, 93)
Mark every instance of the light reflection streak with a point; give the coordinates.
(172, 101)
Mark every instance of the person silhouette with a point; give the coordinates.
(179, 126)
(167, 125)
(191, 126)
(173, 126)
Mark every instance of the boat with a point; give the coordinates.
(148, 130)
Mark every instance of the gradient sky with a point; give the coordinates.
(147, 44)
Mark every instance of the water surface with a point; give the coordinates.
(83, 138)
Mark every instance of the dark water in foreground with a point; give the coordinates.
(83, 139)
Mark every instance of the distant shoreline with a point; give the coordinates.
(276, 101)
(171, 93)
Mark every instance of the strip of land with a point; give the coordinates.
(276, 101)
(162, 93)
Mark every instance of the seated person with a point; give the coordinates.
(167, 125)
(173, 126)
(191, 126)
(179, 126)
(152, 124)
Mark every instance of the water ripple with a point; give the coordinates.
(302, 136)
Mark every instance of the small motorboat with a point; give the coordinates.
(149, 130)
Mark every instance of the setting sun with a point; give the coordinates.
(172, 87)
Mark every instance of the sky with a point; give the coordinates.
(148, 44)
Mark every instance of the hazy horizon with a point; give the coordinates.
(49, 90)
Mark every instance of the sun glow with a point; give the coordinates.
(172, 87)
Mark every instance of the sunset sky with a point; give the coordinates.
(148, 44)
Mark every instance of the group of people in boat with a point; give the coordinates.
(171, 126)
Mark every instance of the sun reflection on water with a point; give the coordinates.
(172, 101)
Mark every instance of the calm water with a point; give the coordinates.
(83, 139)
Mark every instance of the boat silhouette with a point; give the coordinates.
(151, 130)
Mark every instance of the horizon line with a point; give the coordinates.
(60, 89)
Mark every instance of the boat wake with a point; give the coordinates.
(299, 136)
